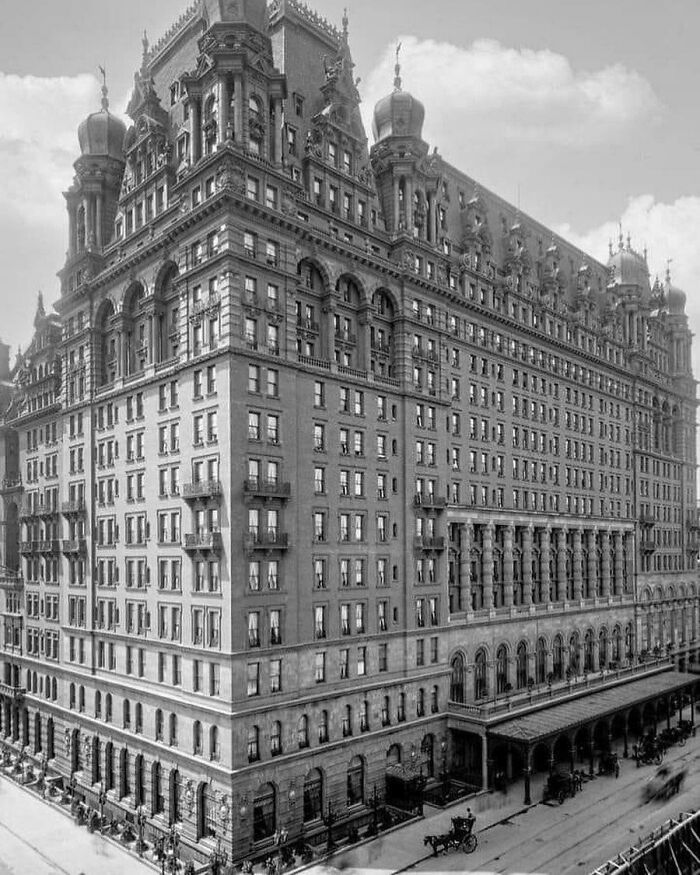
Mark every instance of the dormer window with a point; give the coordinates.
(174, 93)
(298, 104)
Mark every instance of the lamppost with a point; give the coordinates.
(101, 799)
(140, 823)
(171, 849)
(218, 857)
(445, 785)
(329, 819)
(374, 802)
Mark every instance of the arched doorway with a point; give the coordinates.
(457, 679)
(264, 813)
(313, 795)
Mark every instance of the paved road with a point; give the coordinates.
(606, 817)
(36, 839)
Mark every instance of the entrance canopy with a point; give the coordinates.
(538, 725)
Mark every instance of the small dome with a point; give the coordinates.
(675, 297)
(629, 268)
(102, 134)
(399, 114)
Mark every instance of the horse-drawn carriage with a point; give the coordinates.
(609, 764)
(459, 836)
(559, 785)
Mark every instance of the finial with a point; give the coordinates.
(668, 270)
(144, 54)
(629, 242)
(610, 247)
(346, 22)
(397, 70)
(105, 99)
(621, 240)
(644, 253)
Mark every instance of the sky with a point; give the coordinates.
(583, 112)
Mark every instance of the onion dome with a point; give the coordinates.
(675, 297)
(252, 12)
(399, 114)
(102, 134)
(629, 268)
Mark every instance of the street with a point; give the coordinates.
(37, 839)
(606, 817)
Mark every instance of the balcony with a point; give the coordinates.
(12, 691)
(202, 541)
(270, 539)
(76, 506)
(202, 490)
(11, 580)
(429, 501)
(74, 545)
(47, 510)
(257, 488)
(26, 546)
(12, 481)
(425, 542)
(647, 545)
(47, 546)
(647, 520)
(28, 511)
(346, 337)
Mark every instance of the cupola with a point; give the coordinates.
(102, 134)
(399, 114)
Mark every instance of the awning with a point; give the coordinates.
(546, 722)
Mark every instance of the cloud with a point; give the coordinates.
(488, 95)
(668, 230)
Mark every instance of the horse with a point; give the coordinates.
(438, 842)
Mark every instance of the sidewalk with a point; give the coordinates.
(402, 847)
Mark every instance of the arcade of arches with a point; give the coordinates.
(572, 732)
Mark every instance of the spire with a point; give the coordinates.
(40, 311)
(144, 54)
(346, 23)
(668, 270)
(621, 239)
(105, 99)
(610, 247)
(629, 242)
(397, 70)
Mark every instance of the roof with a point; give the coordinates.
(551, 721)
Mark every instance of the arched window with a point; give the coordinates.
(323, 733)
(264, 813)
(253, 744)
(139, 782)
(502, 669)
(173, 730)
(617, 645)
(174, 796)
(276, 738)
(37, 732)
(457, 679)
(159, 725)
(480, 678)
(214, 752)
(541, 661)
(206, 811)
(420, 702)
(313, 795)
(588, 651)
(521, 665)
(138, 718)
(574, 653)
(347, 721)
(98, 704)
(603, 648)
(71, 696)
(50, 749)
(109, 766)
(124, 776)
(197, 738)
(157, 799)
(126, 713)
(356, 781)
(303, 731)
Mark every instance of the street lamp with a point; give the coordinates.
(374, 802)
(329, 819)
(171, 847)
(101, 799)
(218, 857)
(140, 823)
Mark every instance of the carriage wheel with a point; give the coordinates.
(617, 770)
(469, 844)
(561, 796)
(658, 757)
(681, 740)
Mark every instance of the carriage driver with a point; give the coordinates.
(471, 820)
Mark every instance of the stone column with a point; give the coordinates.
(618, 582)
(397, 205)
(98, 219)
(408, 204)
(465, 546)
(72, 230)
(432, 222)
(578, 582)
(561, 565)
(195, 130)
(605, 563)
(224, 101)
(238, 108)
(508, 566)
(277, 131)
(545, 551)
(527, 565)
(364, 351)
(487, 566)
(592, 562)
